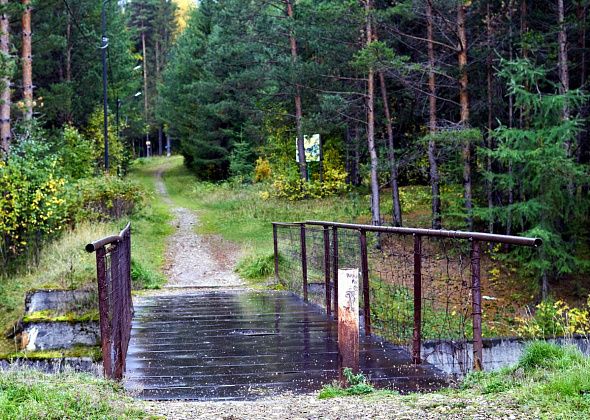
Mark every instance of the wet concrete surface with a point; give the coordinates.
(243, 345)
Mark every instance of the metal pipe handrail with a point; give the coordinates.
(456, 234)
(92, 247)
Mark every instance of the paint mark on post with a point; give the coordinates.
(348, 320)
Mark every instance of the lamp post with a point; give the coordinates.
(103, 48)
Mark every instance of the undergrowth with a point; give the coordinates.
(356, 384)
(551, 381)
(30, 394)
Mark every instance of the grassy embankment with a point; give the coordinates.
(33, 395)
(64, 264)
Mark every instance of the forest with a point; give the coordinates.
(484, 102)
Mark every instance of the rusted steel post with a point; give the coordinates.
(103, 309)
(327, 270)
(417, 339)
(365, 275)
(335, 269)
(304, 261)
(275, 241)
(348, 321)
(476, 298)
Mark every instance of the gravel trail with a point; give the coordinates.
(194, 261)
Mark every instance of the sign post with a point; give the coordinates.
(348, 320)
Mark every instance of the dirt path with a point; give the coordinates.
(195, 261)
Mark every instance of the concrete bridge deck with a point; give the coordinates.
(243, 345)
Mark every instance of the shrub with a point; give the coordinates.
(104, 198)
(541, 354)
(262, 170)
(554, 319)
(32, 203)
(75, 154)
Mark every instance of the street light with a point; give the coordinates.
(103, 47)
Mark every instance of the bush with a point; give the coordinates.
(554, 319)
(541, 354)
(75, 154)
(32, 203)
(104, 198)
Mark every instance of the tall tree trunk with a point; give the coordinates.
(397, 208)
(434, 175)
(489, 69)
(145, 88)
(581, 12)
(69, 48)
(375, 210)
(298, 105)
(564, 85)
(27, 61)
(464, 118)
(356, 164)
(5, 133)
(510, 121)
(160, 139)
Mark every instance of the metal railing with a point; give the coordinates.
(417, 284)
(113, 267)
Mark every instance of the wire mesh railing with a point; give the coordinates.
(113, 267)
(417, 284)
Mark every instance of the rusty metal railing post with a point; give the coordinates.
(335, 264)
(275, 241)
(476, 301)
(304, 261)
(103, 308)
(365, 276)
(417, 336)
(327, 270)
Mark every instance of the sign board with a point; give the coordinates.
(348, 319)
(312, 148)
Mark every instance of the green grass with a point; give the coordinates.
(28, 394)
(549, 380)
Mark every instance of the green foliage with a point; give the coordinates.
(75, 154)
(256, 267)
(541, 354)
(550, 379)
(145, 277)
(545, 172)
(105, 198)
(357, 384)
(241, 161)
(33, 200)
(118, 159)
(35, 395)
(554, 319)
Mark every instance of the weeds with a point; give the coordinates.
(34, 395)
(357, 384)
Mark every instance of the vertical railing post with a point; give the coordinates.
(303, 261)
(476, 301)
(417, 338)
(275, 242)
(365, 276)
(103, 310)
(327, 270)
(335, 264)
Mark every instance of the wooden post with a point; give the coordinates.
(476, 297)
(365, 275)
(335, 269)
(417, 339)
(348, 320)
(303, 261)
(327, 271)
(103, 309)
(275, 242)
